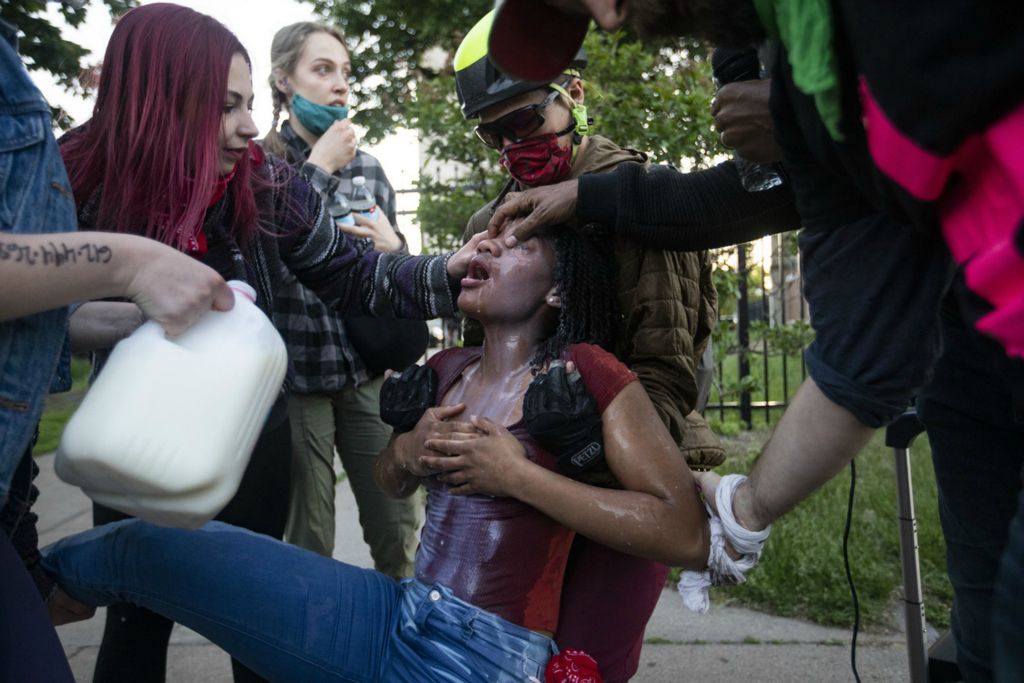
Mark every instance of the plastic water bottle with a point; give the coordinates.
(340, 210)
(362, 200)
(166, 430)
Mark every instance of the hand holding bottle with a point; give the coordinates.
(744, 122)
(378, 229)
(741, 113)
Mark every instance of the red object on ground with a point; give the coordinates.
(572, 666)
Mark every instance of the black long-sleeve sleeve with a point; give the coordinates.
(664, 208)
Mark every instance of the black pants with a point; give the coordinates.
(978, 451)
(135, 640)
(29, 647)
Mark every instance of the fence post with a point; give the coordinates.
(743, 324)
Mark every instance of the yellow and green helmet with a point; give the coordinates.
(480, 84)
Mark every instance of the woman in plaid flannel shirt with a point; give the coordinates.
(334, 400)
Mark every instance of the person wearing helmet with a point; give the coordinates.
(542, 131)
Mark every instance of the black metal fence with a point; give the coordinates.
(762, 331)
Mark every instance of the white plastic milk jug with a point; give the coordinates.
(166, 430)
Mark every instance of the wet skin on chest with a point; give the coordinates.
(500, 402)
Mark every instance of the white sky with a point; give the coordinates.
(254, 22)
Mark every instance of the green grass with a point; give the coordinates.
(801, 572)
(59, 408)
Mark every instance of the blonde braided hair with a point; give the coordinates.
(285, 52)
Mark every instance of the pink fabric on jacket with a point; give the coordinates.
(979, 190)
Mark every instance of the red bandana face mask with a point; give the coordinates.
(538, 161)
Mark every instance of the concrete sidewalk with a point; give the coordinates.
(729, 644)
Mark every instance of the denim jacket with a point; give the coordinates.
(35, 197)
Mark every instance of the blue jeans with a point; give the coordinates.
(978, 451)
(134, 645)
(292, 615)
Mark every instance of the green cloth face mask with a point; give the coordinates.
(316, 118)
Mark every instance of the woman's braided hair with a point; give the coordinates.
(585, 273)
(285, 52)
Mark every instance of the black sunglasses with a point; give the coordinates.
(516, 125)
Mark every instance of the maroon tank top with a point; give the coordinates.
(501, 554)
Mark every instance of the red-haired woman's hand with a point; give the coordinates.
(458, 264)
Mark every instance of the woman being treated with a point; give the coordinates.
(500, 518)
(168, 153)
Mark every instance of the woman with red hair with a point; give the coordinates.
(169, 153)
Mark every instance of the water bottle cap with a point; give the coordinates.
(243, 288)
(339, 206)
(359, 180)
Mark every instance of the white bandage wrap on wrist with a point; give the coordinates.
(722, 569)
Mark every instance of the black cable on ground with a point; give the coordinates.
(849, 574)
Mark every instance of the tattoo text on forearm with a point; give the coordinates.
(54, 253)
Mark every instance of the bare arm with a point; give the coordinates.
(657, 516)
(815, 439)
(101, 324)
(392, 476)
(42, 272)
(397, 469)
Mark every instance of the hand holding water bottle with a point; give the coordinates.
(370, 221)
(741, 114)
(378, 229)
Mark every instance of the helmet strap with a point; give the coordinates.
(578, 110)
(577, 139)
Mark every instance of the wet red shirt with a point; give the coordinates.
(500, 554)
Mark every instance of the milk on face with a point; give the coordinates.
(166, 430)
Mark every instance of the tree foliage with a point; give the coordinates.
(654, 99)
(43, 46)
